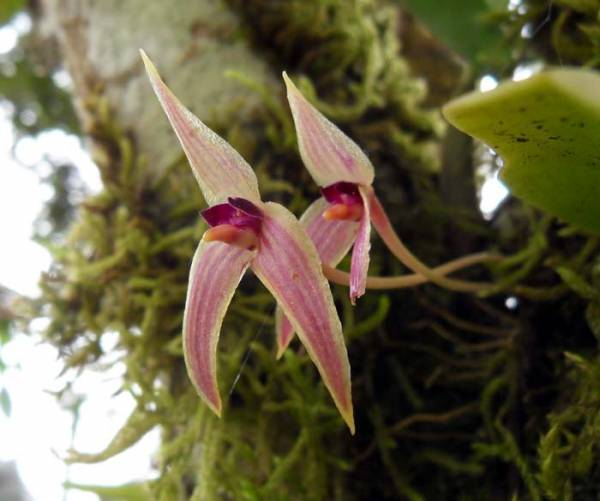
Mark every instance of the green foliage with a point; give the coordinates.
(545, 129)
(9, 8)
(26, 81)
(465, 26)
(564, 32)
(39, 103)
(568, 451)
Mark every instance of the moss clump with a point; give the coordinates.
(565, 32)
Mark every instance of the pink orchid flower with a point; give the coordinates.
(345, 175)
(246, 232)
(342, 217)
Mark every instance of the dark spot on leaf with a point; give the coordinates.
(522, 140)
(553, 138)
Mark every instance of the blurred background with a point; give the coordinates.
(45, 173)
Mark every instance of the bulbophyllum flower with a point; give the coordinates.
(246, 232)
(345, 176)
(342, 218)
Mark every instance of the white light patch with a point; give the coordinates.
(21, 198)
(9, 34)
(62, 79)
(58, 145)
(493, 192)
(38, 434)
(514, 4)
(8, 39)
(524, 71)
(37, 426)
(487, 82)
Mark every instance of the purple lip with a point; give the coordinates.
(342, 193)
(238, 212)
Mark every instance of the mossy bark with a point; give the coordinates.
(451, 391)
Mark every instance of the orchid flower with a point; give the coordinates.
(342, 217)
(246, 232)
(345, 175)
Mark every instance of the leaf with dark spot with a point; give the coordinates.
(547, 162)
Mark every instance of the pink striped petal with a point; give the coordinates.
(220, 171)
(329, 155)
(216, 271)
(359, 265)
(283, 330)
(289, 266)
(333, 240)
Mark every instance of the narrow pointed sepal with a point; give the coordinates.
(289, 266)
(283, 331)
(329, 155)
(216, 271)
(333, 240)
(359, 265)
(220, 171)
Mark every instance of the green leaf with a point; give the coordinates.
(462, 25)
(8, 8)
(546, 129)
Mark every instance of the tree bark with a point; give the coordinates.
(193, 44)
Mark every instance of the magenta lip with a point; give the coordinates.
(238, 212)
(342, 193)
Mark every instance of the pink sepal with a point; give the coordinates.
(216, 271)
(333, 240)
(289, 266)
(329, 155)
(359, 265)
(220, 171)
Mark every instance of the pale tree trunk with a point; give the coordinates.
(193, 44)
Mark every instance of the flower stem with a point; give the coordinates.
(386, 231)
(343, 278)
